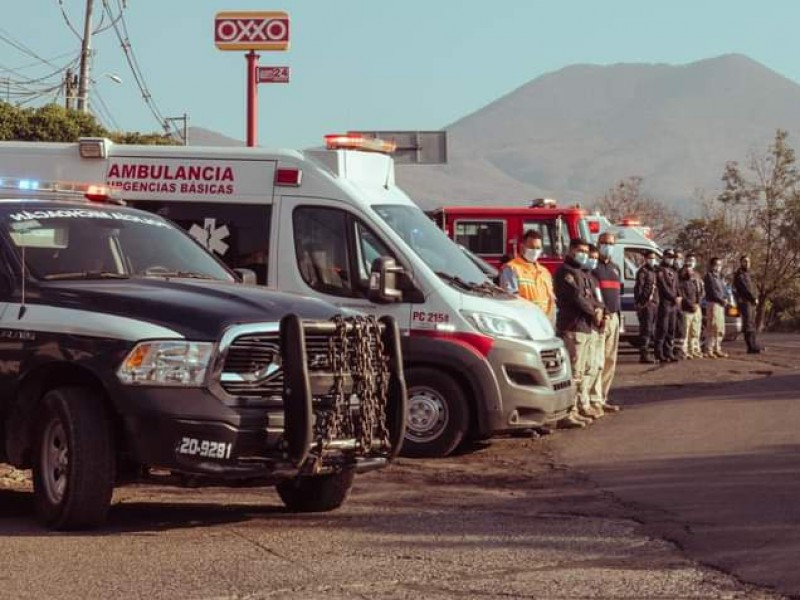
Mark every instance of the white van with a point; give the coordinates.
(331, 223)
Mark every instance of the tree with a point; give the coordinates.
(625, 199)
(717, 232)
(53, 123)
(766, 199)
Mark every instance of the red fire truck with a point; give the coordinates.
(493, 231)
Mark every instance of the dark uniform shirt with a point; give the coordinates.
(668, 285)
(691, 289)
(608, 277)
(715, 289)
(574, 298)
(743, 287)
(645, 290)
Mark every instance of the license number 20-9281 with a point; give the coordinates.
(204, 448)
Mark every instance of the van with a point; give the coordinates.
(331, 223)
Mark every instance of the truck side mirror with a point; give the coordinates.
(383, 280)
(246, 276)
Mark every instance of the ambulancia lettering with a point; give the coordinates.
(169, 173)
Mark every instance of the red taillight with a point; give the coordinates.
(594, 227)
(288, 177)
(475, 342)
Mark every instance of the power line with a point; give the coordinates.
(130, 57)
(101, 103)
(8, 38)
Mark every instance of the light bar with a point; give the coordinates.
(25, 187)
(350, 141)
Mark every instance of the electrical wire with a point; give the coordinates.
(103, 107)
(67, 21)
(121, 29)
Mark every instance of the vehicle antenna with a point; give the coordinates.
(22, 307)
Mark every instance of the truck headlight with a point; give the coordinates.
(497, 326)
(172, 363)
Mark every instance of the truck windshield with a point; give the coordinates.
(77, 243)
(430, 243)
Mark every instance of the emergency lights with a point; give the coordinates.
(352, 141)
(93, 147)
(10, 187)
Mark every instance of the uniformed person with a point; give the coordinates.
(609, 277)
(577, 310)
(528, 279)
(594, 366)
(646, 299)
(680, 320)
(669, 299)
(691, 288)
(716, 301)
(747, 301)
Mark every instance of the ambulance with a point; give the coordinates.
(331, 223)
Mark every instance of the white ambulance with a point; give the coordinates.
(331, 223)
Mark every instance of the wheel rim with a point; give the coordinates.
(55, 461)
(427, 414)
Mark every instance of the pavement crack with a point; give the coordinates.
(269, 551)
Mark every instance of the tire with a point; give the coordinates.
(322, 493)
(73, 471)
(438, 414)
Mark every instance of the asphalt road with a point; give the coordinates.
(696, 471)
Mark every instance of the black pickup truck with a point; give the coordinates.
(129, 352)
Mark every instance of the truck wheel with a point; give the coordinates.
(319, 493)
(73, 471)
(438, 414)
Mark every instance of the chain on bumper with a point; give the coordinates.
(362, 411)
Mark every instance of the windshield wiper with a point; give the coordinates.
(86, 275)
(184, 274)
(455, 279)
(471, 286)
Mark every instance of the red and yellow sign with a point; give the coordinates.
(251, 30)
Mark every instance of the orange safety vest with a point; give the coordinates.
(535, 283)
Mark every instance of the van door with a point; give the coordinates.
(326, 250)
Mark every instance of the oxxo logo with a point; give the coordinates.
(251, 31)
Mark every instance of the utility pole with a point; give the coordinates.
(185, 119)
(69, 89)
(86, 56)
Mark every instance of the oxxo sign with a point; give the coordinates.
(251, 30)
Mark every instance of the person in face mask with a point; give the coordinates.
(669, 300)
(594, 364)
(679, 332)
(609, 278)
(646, 300)
(747, 301)
(528, 279)
(716, 301)
(578, 313)
(692, 290)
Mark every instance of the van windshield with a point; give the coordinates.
(430, 243)
(78, 243)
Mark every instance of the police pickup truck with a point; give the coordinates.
(127, 350)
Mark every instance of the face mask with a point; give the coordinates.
(581, 258)
(678, 263)
(691, 264)
(669, 261)
(717, 269)
(532, 254)
(652, 262)
(591, 264)
(605, 250)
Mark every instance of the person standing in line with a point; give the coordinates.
(609, 278)
(747, 301)
(594, 366)
(577, 310)
(528, 279)
(716, 301)
(691, 290)
(669, 300)
(646, 299)
(680, 320)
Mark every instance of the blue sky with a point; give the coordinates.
(383, 64)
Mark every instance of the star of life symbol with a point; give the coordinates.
(210, 236)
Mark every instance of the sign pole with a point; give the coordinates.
(252, 97)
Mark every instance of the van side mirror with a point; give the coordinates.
(383, 281)
(246, 276)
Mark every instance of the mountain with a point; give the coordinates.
(572, 133)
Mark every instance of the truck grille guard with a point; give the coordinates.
(341, 381)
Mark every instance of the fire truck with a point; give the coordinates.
(491, 232)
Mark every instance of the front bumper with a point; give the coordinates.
(535, 384)
(196, 432)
